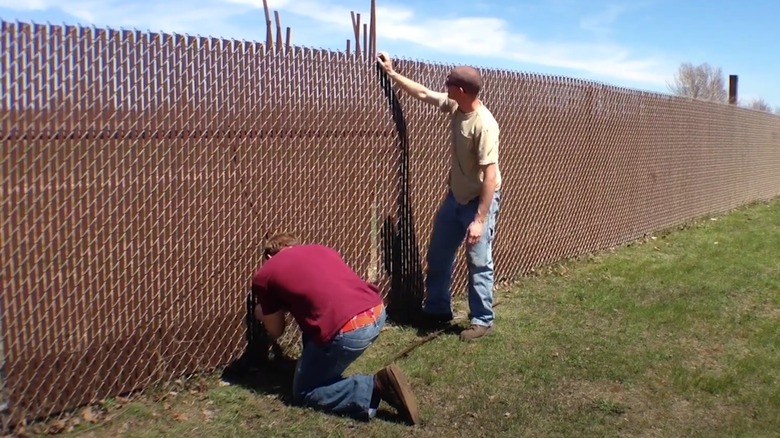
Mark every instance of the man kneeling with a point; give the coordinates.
(339, 315)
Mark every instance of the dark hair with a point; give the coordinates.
(467, 78)
(277, 242)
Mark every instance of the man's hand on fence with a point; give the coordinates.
(385, 62)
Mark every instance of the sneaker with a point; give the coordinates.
(432, 321)
(475, 332)
(393, 388)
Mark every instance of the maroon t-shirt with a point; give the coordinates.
(316, 286)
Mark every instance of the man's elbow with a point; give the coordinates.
(274, 325)
(274, 328)
(489, 174)
(430, 97)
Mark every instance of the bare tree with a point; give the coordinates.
(777, 110)
(760, 104)
(700, 82)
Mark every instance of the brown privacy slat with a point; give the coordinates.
(142, 172)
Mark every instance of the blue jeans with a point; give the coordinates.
(449, 232)
(318, 381)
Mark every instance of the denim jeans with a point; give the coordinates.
(318, 381)
(449, 232)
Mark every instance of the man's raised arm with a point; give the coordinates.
(413, 88)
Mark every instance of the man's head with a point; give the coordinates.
(464, 82)
(278, 242)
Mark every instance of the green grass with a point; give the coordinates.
(678, 335)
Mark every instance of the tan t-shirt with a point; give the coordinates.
(474, 143)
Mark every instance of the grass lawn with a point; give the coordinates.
(678, 335)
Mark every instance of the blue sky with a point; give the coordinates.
(637, 44)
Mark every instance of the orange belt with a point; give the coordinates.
(363, 319)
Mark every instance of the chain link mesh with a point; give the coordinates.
(141, 173)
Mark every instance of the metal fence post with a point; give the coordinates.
(733, 89)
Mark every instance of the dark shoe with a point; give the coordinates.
(392, 387)
(475, 332)
(431, 321)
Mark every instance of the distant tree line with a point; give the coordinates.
(707, 82)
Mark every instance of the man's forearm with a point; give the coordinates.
(486, 197)
(414, 89)
(274, 324)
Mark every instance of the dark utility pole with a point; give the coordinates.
(733, 89)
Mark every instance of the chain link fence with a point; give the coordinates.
(141, 172)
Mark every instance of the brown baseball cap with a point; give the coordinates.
(467, 78)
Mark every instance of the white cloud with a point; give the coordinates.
(272, 4)
(602, 22)
(32, 5)
(496, 40)
(204, 17)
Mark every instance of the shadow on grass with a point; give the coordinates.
(275, 376)
(271, 377)
(264, 369)
(451, 329)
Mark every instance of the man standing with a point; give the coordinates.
(470, 209)
(340, 316)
